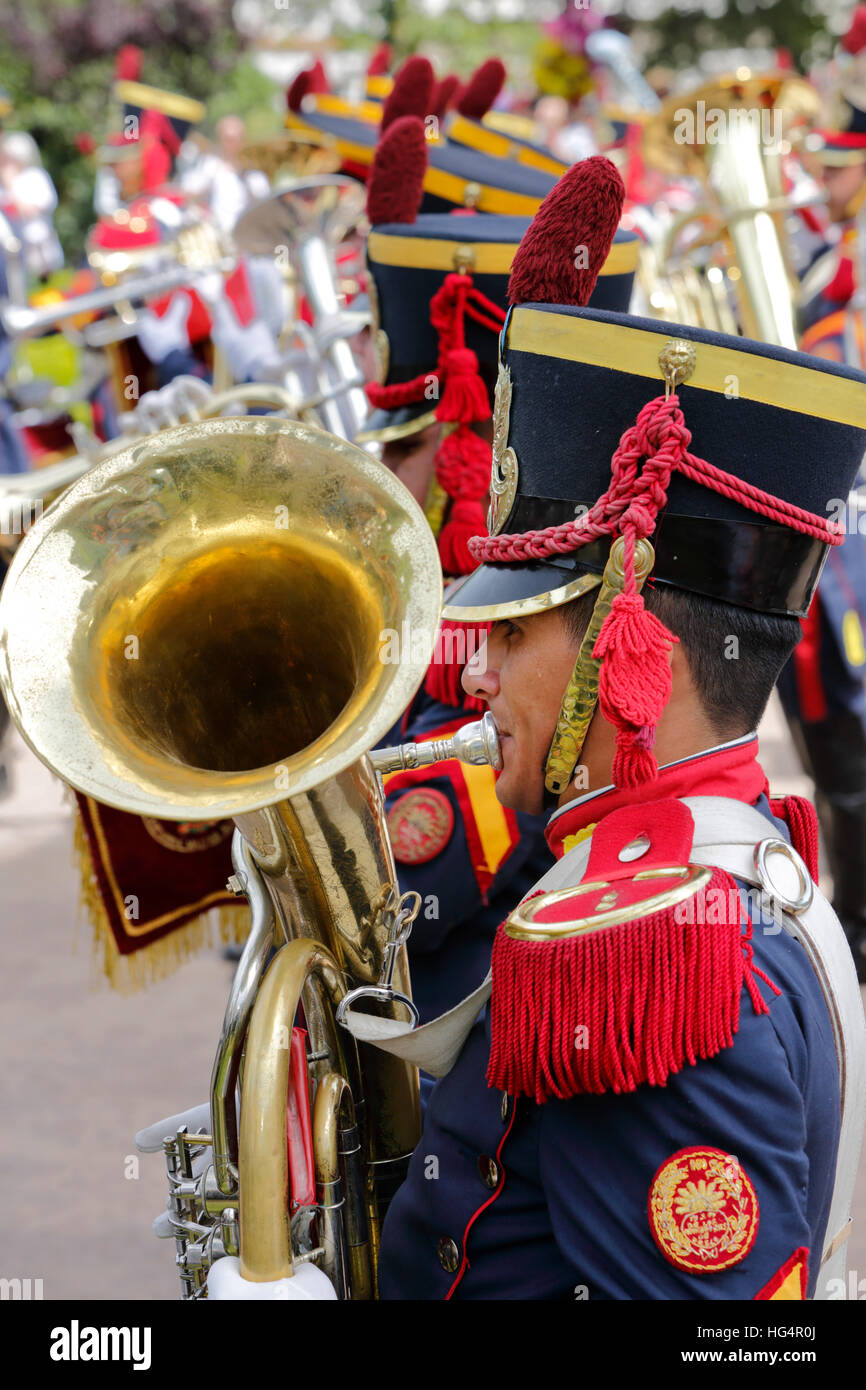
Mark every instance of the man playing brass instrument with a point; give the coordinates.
(453, 841)
(649, 1106)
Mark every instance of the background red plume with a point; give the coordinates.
(411, 93)
(482, 89)
(582, 211)
(380, 61)
(396, 183)
(309, 80)
(855, 39)
(127, 64)
(298, 90)
(318, 78)
(443, 94)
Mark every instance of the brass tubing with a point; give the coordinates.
(336, 1138)
(332, 1095)
(224, 1077)
(265, 1242)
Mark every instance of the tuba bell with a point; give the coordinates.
(726, 265)
(193, 630)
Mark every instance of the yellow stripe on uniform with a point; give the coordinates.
(489, 815)
(792, 1289)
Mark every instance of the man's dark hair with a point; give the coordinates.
(733, 654)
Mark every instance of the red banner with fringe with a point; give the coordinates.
(155, 890)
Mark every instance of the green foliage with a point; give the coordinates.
(679, 39)
(57, 62)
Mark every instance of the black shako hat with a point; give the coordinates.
(408, 263)
(572, 381)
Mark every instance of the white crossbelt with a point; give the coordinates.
(726, 835)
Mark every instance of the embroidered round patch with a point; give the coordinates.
(703, 1210)
(420, 825)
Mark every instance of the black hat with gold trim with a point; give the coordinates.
(470, 124)
(181, 112)
(409, 256)
(456, 176)
(845, 141)
(594, 485)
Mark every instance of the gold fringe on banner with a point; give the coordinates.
(150, 961)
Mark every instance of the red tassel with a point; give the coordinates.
(465, 397)
(463, 472)
(463, 464)
(799, 815)
(465, 520)
(615, 1008)
(634, 684)
(456, 644)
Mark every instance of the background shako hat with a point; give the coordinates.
(455, 177)
(181, 112)
(468, 124)
(409, 256)
(844, 139)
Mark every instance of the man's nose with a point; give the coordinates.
(480, 678)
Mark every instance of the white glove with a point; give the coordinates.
(160, 336)
(248, 350)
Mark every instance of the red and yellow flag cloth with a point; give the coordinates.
(155, 890)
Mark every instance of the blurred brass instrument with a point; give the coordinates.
(726, 265)
(24, 496)
(293, 154)
(256, 563)
(302, 223)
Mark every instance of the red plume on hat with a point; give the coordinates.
(298, 89)
(396, 183)
(444, 93)
(559, 259)
(380, 61)
(309, 81)
(411, 93)
(127, 64)
(558, 262)
(318, 78)
(855, 40)
(482, 89)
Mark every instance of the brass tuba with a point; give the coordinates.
(193, 631)
(736, 273)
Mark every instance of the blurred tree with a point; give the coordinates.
(57, 62)
(681, 33)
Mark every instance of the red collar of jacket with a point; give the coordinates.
(730, 770)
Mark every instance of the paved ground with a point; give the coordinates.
(84, 1068)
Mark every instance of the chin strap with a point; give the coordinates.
(582, 692)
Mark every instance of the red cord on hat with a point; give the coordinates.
(463, 458)
(635, 678)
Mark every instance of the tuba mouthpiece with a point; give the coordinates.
(476, 743)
